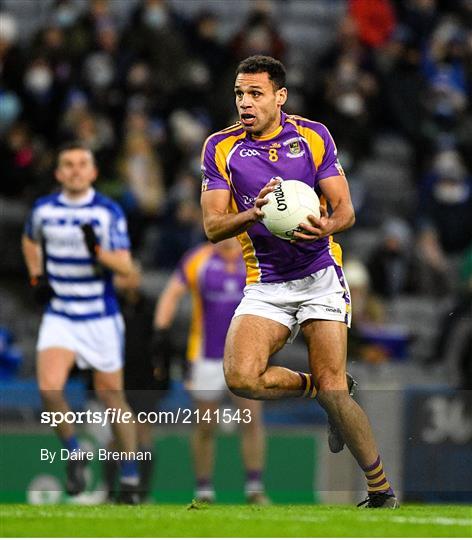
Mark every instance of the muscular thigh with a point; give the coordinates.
(327, 345)
(104, 381)
(250, 341)
(53, 368)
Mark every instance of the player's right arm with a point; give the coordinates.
(164, 315)
(33, 256)
(168, 303)
(220, 223)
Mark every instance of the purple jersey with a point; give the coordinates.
(217, 287)
(299, 149)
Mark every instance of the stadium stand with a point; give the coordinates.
(78, 69)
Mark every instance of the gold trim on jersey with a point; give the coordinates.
(222, 150)
(314, 140)
(233, 127)
(192, 270)
(229, 129)
(270, 135)
(253, 272)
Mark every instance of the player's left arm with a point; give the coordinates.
(118, 261)
(342, 217)
(112, 250)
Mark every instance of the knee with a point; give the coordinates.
(241, 384)
(111, 398)
(331, 380)
(332, 388)
(50, 392)
(205, 431)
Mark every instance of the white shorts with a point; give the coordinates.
(323, 295)
(207, 380)
(97, 344)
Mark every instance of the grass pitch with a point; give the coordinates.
(230, 520)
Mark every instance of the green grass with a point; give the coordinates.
(240, 521)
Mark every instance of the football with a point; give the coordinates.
(289, 204)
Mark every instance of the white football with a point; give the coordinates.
(289, 204)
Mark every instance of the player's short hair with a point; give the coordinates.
(73, 145)
(264, 64)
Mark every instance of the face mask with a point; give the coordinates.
(10, 108)
(155, 17)
(350, 104)
(65, 16)
(38, 79)
(449, 193)
(99, 71)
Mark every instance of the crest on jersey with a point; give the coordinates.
(294, 147)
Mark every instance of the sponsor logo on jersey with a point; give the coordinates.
(273, 145)
(248, 152)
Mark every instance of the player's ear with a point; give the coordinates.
(281, 96)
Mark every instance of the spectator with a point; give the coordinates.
(181, 225)
(141, 171)
(375, 21)
(11, 61)
(391, 263)
(372, 338)
(18, 155)
(155, 28)
(445, 220)
(259, 35)
(350, 94)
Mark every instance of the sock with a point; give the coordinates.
(205, 488)
(376, 480)
(129, 472)
(254, 481)
(110, 474)
(204, 483)
(146, 468)
(71, 443)
(308, 387)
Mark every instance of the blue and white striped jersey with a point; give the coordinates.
(81, 292)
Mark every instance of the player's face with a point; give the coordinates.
(76, 171)
(258, 102)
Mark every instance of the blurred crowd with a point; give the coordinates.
(145, 90)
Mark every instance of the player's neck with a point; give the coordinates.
(78, 197)
(272, 130)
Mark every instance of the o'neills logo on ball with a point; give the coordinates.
(280, 198)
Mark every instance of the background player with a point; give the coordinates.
(291, 285)
(82, 237)
(215, 277)
(142, 389)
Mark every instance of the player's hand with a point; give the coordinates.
(42, 291)
(91, 240)
(161, 351)
(261, 198)
(314, 230)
